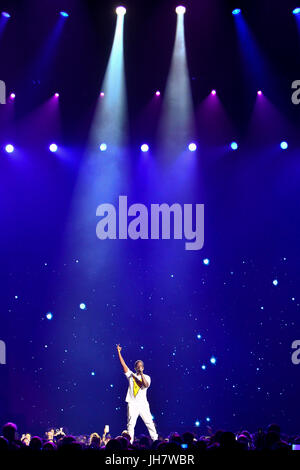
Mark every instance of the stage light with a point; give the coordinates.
(93, 373)
(102, 94)
(259, 92)
(213, 360)
(9, 148)
(207, 419)
(5, 14)
(236, 11)
(180, 10)
(56, 95)
(192, 147)
(206, 261)
(199, 336)
(82, 306)
(121, 11)
(64, 14)
(197, 423)
(296, 11)
(213, 92)
(53, 148)
(157, 93)
(234, 145)
(145, 148)
(284, 145)
(103, 147)
(49, 316)
(12, 96)
(275, 282)
(203, 367)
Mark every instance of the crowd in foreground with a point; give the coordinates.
(56, 441)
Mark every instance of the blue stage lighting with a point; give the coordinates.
(121, 11)
(213, 360)
(9, 148)
(53, 148)
(192, 147)
(197, 423)
(234, 145)
(5, 14)
(82, 306)
(203, 367)
(206, 261)
(103, 147)
(49, 316)
(236, 11)
(145, 148)
(64, 14)
(275, 282)
(284, 145)
(296, 11)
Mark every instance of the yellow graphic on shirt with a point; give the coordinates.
(136, 387)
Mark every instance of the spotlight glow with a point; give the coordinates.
(9, 148)
(103, 147)
(180, 10)
(53, 148)
(275, 282)
(121, 11)
(234, 145)
(49, 316)
(203, 367)
(206, 261)
(213, 360)
(64, 14)
(56, 95)
(296, 11)
(259, 92)
(82, 306)
(236, 11)
(102, 94)
(192, 147)
(12, 96)
(284, 145)
(5, 14)
(145, 148)
(157, 93)
(197, 423)
(213, 92)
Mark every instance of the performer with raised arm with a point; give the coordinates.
(136, 398)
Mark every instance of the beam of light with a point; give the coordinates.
(3, 21)
(284, 145)
(121, 11)
(234, 145)
(256, 66)
(110, 121)
(236, 11)
(296, 11)
(177, 121)
(12, 96)
(180, 10)
(64, 14)
(41, 67)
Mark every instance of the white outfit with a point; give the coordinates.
(138, 405)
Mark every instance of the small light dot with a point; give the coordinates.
(82, 306)
(103, 147)
(275, 282)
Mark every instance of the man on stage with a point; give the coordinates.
(136, 398)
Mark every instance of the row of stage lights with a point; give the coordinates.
(192, 147)
(180, 10)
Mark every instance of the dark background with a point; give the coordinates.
(153, 297)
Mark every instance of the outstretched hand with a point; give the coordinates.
(119, 348)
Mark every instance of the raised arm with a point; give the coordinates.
(123, 363)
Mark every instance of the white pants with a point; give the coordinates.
(135, 410)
